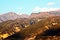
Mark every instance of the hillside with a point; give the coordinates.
(40, 29)
(35, 25)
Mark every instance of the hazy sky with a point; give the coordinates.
(28, 6)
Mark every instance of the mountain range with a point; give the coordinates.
(13, 16)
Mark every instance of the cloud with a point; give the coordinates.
(48, 9)
(50, 3)
(38, 9)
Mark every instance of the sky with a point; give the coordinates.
(28, 6)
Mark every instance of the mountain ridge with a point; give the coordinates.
(13, 15)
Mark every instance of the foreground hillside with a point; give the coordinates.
(47, 27)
